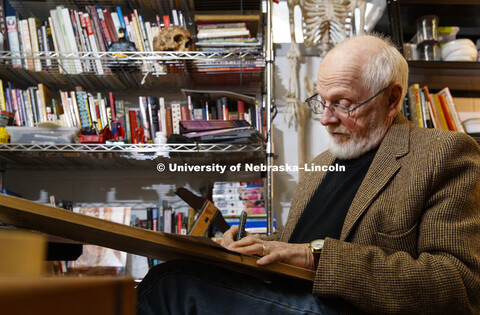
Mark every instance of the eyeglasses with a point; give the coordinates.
(317, 105)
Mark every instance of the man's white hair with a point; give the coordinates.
(385, 67)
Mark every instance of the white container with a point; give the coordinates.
(41, 135)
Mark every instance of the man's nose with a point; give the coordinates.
(328, 118)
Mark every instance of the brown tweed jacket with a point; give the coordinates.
(411, 239)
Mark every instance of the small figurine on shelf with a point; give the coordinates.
(138, 135)
(118, 133)
(121, 61)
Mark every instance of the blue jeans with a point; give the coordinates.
(186, 287)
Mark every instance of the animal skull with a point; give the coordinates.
(173, 38)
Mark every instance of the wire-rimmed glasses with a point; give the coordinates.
(317, 105)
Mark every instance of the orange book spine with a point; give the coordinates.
(448, 114)
(168, 121)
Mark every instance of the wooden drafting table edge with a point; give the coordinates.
(164, 246)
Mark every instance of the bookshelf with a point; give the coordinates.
(140, 73)
(460, 77)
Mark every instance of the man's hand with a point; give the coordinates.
(294, 254)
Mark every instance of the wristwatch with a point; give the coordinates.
(316, 248)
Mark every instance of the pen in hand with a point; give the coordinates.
(241, 226)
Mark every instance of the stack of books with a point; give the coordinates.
(226, 36)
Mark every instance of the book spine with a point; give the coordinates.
(13, 41)
(153, 109)
(185, 113)
(27, 45)
(28, 108)
(176, 117)
(225, 108)
(128, 132)
(56, 45)
(93, 112)
(110, 26)
(3, 105)
(93, 42)
(32, 26)
(167, 220)
(70, 66)
(132, 114)
(441, 114)
(432, 109)
(15, 107)
(82, 108)
(138, 36)
(104, 28)
(116, 23)
(3, 26)
(453, 109)
(33, 105)
(143, 105)
(162, 117)
(179, 222)
(111, 98)
(141, 29)
(46, 44)
(418, 105)
(129, 31)
(71, 39)
(168, 121)
(20, 106)
(97, 28)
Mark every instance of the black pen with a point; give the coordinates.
(241, 226)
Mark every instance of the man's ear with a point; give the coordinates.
(394, 94)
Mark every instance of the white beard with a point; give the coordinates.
(355, 148)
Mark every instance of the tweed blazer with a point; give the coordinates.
(410, 242)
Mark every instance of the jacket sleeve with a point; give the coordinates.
(443, 274)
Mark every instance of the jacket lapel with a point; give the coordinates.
(383, 168)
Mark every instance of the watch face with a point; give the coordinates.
(317, 244)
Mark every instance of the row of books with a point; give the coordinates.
(232, 198)
(256, 223)
(93, 112)
(432, 110)
(71, 31)
(219, 36)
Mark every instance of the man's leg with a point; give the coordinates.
(185, 287)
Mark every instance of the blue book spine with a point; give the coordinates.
(122, 21)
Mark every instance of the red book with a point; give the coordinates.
(133, 125)
(112, 105)
(104, 27)
(110, 25)
(241, 109)
(185, 112)
(179, 222)
(96, 25)
(166, 20)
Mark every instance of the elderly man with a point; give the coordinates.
(398, 231)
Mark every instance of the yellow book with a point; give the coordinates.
(418, 105)
(3, 105)
(441, 114)
(137, 32)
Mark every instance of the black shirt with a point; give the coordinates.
(326, 211)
